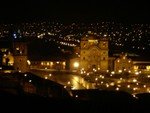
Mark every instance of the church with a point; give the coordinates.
(93, 53)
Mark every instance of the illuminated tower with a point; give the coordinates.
(20, 56)
(83, 53)
(103, 45)
(1, 56)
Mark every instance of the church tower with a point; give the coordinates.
(20, 56)
(83, 53)
(103, 45)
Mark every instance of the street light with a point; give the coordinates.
(76, 64)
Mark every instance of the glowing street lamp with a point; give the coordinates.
(76, 64)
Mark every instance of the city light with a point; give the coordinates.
(128, 86)
(50, 75)
(25, 75)
(120, 71)
(118, 35)
(28, 61)
(112, 72)
(117, 88)
(76, 64)
(134, 80)
(137, 73)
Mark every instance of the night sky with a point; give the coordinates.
(68, 10)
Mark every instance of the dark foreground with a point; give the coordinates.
(105, 102)
(18, 94)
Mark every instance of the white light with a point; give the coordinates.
(134, 96)
(119, 81)
(76, 64)
(28, 61)
(76, 96)
(134, 80)
(120, 71)
(50, 75)
(87, 74)
(68, 82)
(112, 84)
(17, 48)
(103, 77)
(107, 71)
(136, 73)
(107, 85)
(112, 72)
(25, 75)
(128, 86)
(30, 80)
(129, 71)
(117, 88)
(134, 88)
(95, 70)
(46, 77)
(105, 35)
(96, 79)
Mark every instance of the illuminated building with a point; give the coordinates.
(20, 56)
(141, 66)
(93, 53)
(130, 64)
(123, 63)
(1, 56)
(8, 59)
(48, 64)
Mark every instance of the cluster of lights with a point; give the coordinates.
(132, 85)
(67, 44)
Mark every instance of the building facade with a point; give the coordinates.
(141, 66)
(20, 56)
(48, 64)
(93, 53)
(123, 63)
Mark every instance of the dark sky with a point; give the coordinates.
(75, 10)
